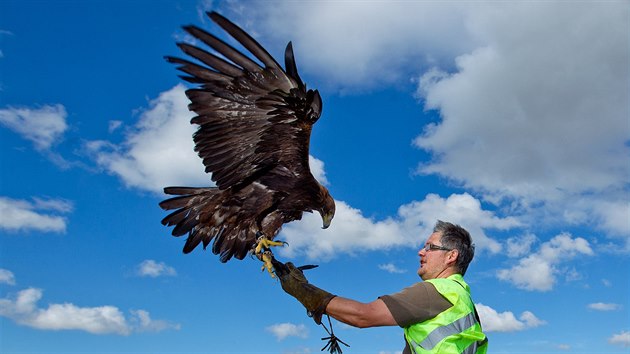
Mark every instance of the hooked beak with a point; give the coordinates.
(326, 219)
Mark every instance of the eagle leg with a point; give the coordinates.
(263, 252)
(266, 258)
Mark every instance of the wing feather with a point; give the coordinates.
(225, 49)
(246, 40)
(210, 59)
(249, 115)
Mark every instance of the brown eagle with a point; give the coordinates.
(254, 130)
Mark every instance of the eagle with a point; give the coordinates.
(254, 126)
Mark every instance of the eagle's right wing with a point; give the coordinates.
(251, 118)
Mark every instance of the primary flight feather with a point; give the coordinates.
(254, 130)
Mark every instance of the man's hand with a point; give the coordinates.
(295, 284)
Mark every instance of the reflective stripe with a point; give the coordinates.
(472, 348)
(438, 334)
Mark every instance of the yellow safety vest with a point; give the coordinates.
(454, 331)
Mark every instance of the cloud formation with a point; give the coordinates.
(38, 215)
(622, 338)
(351, 232)
(42, 126)
(552, 115)
(539, 271)
(391, 268)
(141, 321)
(7, 277)
(494, 321)
(24, 310)
(158, 151)
(350, 55)
(153, 269)
(520, 245)
(602, 306)
(284, 330)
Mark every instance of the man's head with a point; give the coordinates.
(447, 251)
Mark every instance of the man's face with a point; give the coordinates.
(434, 263)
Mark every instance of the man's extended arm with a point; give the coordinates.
(360, 314)
(318, 301)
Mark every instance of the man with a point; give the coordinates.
(437, 315)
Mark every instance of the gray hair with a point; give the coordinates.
(456, 237)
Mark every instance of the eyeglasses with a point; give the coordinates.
(431, 247)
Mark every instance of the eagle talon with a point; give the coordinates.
(267, 258)
(263, 243)
(262, 251)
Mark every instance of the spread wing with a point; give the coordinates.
(253, 117)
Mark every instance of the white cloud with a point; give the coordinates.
(141, 321)
(159, 150)
(114, 125)
(19, 215)
(7, 277)
(401, 37)
(23, 309)
(98, 320)
(539, 270)
(520, 245)
(57, 205)
(563, 347)
(42, 126)
(622, 339)
(391, 268)
(351, 232)
(601, 306)
(317, 169)
(462, 209)
(284, 330)
(532, 117)
(153, 269)
(493, 321)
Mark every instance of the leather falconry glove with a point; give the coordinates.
(295, 284)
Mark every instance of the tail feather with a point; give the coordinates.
(189, 203)
(177, 190)
(185, 195)
(241, 248)
(185, 226)
(174, 203)
(175, 217)
(193, 241)
(205, 216)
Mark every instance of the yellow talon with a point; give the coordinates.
(266, 258)
(264, 243)
(262, 251)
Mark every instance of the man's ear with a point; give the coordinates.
(451, 258)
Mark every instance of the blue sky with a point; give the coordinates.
(510, 119)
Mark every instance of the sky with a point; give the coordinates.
(508, 118)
